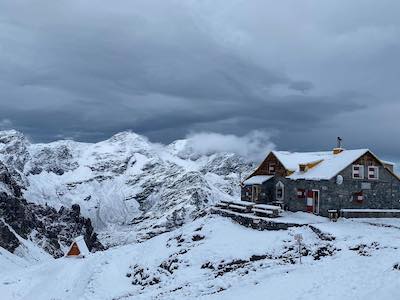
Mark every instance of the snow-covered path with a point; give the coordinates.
(59, 279)
(213, 258)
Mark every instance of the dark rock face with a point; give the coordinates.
(57, 160)
(7, 179)
(45, 226)
(48, 228)
(7, 239)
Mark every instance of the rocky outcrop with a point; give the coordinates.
(51, 229)
(8, 240)
(9, 184)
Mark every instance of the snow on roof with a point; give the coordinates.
(386, 162)
(291, 160)
(329, 167)
(80, 241)
(258, 179)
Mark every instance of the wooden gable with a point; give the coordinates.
(369, 159)
(271, 166)
(74, 250)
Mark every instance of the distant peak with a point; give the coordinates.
(124, 135)
(6, 136)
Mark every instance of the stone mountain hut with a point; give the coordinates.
(318, 182)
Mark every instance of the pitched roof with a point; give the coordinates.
(258, 179)
(329, 166)
(80, 241)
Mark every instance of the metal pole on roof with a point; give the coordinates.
(339, 142)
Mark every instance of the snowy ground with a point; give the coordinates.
(214, 258)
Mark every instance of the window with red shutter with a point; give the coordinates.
(373, 172)
(358, 172)
(358, 197)
(301, 193)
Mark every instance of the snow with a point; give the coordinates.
(386, 162)
(372, 210)
(258, 179)
(123, 178)
(240, 202)
(300, 218)
(28, 250)
(263, 211)
(266, 206)
(349, 272)
(330, 165)
(10, 262)
(209, 257)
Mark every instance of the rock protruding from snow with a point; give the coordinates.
(52, 230)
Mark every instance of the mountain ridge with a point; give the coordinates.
(124, 180)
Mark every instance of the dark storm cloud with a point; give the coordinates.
(86, 70)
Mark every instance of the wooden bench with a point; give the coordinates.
(280, 204)
(237, 206)
(222, 205)
(263, 213)
(266, 210)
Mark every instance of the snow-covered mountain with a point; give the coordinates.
(123, 180)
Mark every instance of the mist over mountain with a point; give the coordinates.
(127, 180)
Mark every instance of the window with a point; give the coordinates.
(358, 172)
(280, 191)
(301, 193)
(358, 197)
(256, 189)
(271, 168)
(373, 172)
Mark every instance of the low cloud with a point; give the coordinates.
(5, 124)
(302, 86)
(252, 146)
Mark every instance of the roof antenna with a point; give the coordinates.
(339, 142)
(339, 148)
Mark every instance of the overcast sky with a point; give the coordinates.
(302, 72)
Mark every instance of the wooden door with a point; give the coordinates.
(255, 192)
(316, 196)
(74, 251)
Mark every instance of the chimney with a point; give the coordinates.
(339, 148)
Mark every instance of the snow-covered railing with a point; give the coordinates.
(369, 213)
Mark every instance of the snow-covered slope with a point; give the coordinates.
(34, 232)
(213, 258)
(123, 180)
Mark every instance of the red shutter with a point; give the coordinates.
(301, 193)
(310, 201)
(359, 197)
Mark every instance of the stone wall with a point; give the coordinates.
(380, 194)
(253, 222)
(370, 214)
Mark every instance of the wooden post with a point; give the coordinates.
(298, 238)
